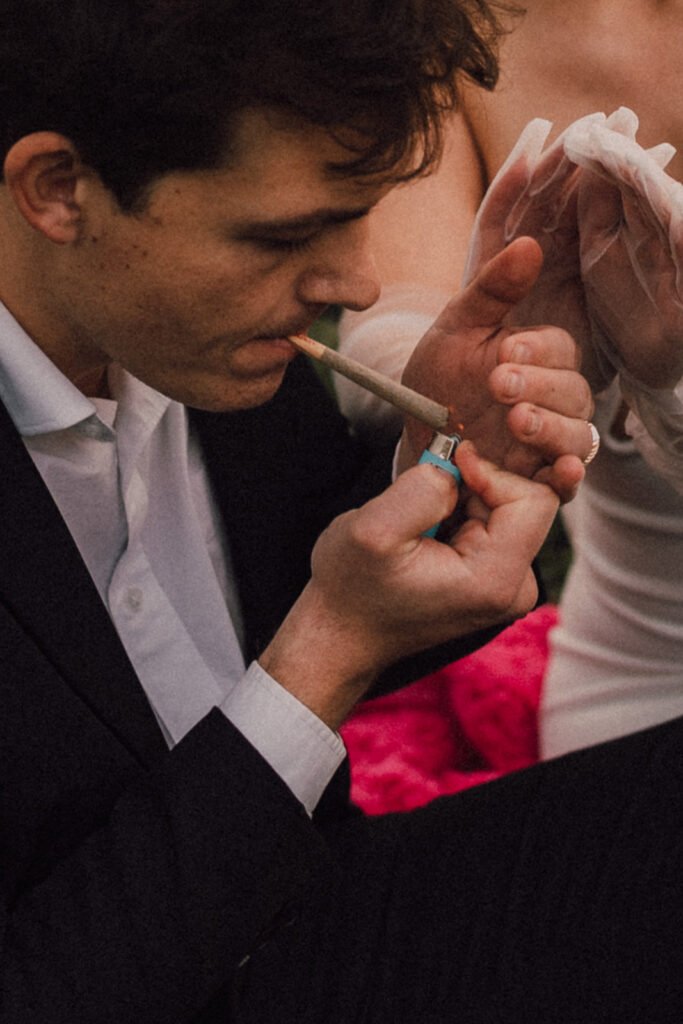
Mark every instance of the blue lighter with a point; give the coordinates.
(439, 452)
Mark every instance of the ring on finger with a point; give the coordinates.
(595, 444)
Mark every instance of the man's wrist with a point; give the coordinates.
(322, 660)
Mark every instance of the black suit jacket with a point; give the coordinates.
(135, 880)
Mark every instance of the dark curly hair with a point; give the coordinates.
(144, 87)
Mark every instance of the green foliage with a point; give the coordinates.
(324, 330)
(555, 559)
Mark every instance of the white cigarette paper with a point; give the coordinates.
(408, 401)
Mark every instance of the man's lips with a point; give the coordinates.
(280, 342)
(285, 333)
(277, 343)
(272, 337)
(267, 352)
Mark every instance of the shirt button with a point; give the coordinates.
(134, 598)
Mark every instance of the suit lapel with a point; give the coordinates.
(46, 586)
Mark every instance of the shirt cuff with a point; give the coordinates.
(295, 742)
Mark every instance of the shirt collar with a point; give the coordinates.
(38, 397)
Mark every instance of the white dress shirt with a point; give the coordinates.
(129, 481)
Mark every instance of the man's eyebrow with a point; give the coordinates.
(313, 221)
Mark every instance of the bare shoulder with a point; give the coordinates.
(562, 60)
(419, 232)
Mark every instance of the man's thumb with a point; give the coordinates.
(504, 281)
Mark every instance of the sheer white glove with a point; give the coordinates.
(610, 223)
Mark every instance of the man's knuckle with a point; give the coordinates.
(362, 533)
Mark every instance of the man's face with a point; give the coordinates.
(196, 294)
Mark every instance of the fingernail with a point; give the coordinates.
(532, 423)
(514, 384)
(520, 353)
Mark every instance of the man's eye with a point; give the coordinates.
(285, 245)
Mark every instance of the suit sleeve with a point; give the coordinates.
(151, 913)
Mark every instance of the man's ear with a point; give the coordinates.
(41, 173)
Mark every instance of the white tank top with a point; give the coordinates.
(617, 656)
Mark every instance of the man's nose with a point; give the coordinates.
(344, 274)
